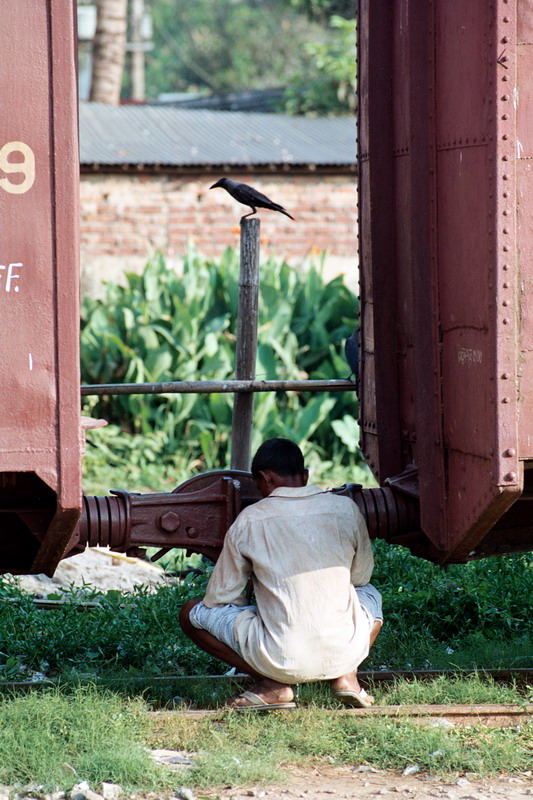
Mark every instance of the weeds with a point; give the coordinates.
(131, 637)
(56, 739)
(239, 748)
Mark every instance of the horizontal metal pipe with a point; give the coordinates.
(217, 387)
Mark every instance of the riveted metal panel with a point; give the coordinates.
(463, 238)
(39, 313)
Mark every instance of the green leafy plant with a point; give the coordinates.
(165, 326)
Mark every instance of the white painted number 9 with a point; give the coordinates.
(24, 167)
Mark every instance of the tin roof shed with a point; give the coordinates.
(120, 136)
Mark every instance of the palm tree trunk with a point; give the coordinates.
(108, 51)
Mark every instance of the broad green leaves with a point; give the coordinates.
(165, 326)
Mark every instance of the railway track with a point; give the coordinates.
(488, 715)
(522, 677)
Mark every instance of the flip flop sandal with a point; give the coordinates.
(354, 699)
(256, 703)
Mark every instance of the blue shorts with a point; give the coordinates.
(370, 600)
(220, 620)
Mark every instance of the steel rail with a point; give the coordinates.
(218, 387)
(504, 715)
(520, 675)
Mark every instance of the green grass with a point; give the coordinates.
(473, 615)
(240, 748)
(447, 690)
(56, 740)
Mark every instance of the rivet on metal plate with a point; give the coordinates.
(505, 267)
(505, 116)
(505, 230)
(505, 321)
(505, 303)
(511, 476)
(505, 285)
(505, 399)
(509, 453)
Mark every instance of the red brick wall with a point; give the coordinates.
(125, 218)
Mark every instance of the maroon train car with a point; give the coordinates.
(446, 243)
(40, 475)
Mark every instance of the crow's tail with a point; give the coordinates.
(281, 210)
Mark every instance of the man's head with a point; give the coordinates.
(278, 462)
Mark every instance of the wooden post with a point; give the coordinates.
(246, 349)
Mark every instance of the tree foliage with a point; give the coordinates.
(326, 85)
(323, 10)
(225, 45)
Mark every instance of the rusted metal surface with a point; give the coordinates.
(458, 252)
(40, 481)
(197, 515)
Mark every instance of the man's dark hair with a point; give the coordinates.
(279, 455)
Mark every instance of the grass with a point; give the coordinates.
(241, 748)
(56, 739)
(473, 615)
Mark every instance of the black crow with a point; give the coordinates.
(248, 196)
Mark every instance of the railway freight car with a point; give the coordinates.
(446, 245)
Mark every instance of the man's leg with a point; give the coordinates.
(349, 682)
(270, 691)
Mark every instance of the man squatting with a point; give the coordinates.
(309, 557)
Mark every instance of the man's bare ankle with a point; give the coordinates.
(272, 690)
(346, 682)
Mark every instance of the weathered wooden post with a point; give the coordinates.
(246, 349)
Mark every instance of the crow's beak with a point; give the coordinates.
(214, 186)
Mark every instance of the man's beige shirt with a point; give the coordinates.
(304, 549)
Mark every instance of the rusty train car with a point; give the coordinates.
(446, 248)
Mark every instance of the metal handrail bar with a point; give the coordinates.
(218, 387)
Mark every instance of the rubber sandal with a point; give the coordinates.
(354, 699)
(256, 703)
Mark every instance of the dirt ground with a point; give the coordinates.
(360, 783)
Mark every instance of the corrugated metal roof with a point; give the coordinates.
(117, 135)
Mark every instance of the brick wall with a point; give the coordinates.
(125, 218)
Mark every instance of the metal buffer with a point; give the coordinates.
(197, 514)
